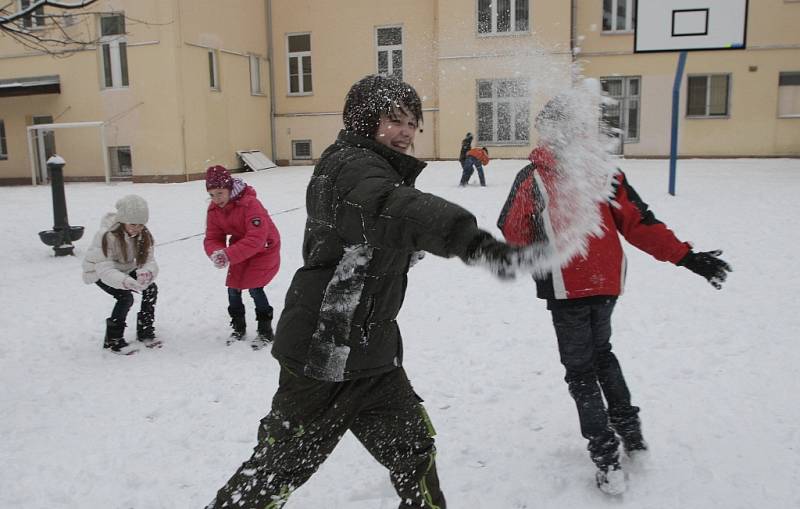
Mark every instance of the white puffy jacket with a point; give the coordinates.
(111, 269)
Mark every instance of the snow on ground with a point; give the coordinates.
(715, 372)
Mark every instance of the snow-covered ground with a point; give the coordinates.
(715, 372)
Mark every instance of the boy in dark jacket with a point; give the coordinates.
(466, 144)
(581, 296)
(337, 340)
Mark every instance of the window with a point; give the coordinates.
(788, 94)
(390, 51)
(503, 112)
(299, 64)
(3, 146)
(618, 15)
(213, 70)
(114, 51)
(36, 19)
(120, 161)
(624, 115)
(503, 16)
(301, 149)
(708, 96)
(255, 76)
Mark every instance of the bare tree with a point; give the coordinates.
(60, 30)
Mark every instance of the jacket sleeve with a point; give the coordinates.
(106, 267)
(257, 230)
(377, 209)
(516, 217)
(215, 238)
(637, 223)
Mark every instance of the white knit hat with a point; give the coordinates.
(132, 209)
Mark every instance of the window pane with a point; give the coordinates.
(123, 62)
(607, 7)
(621, 12)
(611, 115)
(299, 43)
(522, 122)
(789, 79)
(212, 71)
(719, 96)
(294, 84)
(3, 148)
(306, 83)
(397, 64)
(503, 122)
(633, 119)
(522, 15)
(788, 101)
(293, 61)
(484, 16)
(255, 75)
(485, 122)
(390, 36)
(485, 89)
(383, 62)
(503, 15)
(112, 25)
(633, 87)
(613, 87)
(307, 65)
(696, 100)
(108, 79)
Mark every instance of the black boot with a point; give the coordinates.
(265, 334)
(629, 429)
(115, 340)
(237, 323)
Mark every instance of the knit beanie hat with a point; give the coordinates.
(218, 177)
(132, 209)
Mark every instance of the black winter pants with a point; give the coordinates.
(124, 301)
(307, 420)
(592, 371)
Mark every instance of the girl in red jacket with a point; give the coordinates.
(240, 235)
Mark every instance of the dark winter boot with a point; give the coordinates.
(115, 340)
(629, 430)
(611, 480)
(265, 334)
(237, 323)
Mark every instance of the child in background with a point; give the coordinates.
(120, 261)
(252, 254)
(476, 159)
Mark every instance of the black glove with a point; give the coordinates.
(708, 265)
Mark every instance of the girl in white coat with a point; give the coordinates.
(120, 261)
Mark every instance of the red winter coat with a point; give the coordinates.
(254, 246)
(602, 270)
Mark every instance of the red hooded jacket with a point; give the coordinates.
(602, 270)
(255, 243)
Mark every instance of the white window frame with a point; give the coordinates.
(301, 158)
(795, 91)
(255, 75)
(113, 160)
(624, 101)
(495, 100)
(389, 49)
(628, 17)
(512, 21)
(299, 56)
(707, 113)
(213, 70)
(115, 52)
(3, 141)
(37, 19)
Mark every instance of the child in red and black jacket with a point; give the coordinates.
(581, 296)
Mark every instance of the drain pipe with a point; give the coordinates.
(273, 143)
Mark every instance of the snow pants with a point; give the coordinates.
(124, 301)
(592, 371)
(470, 165)
(309, 417)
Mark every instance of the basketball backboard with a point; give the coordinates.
(686, 25)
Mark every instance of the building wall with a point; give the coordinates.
(752, 127)
(174, 124)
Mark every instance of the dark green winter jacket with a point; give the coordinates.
(365, 220)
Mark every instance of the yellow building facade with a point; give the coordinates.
(202, 80)
(177, 85)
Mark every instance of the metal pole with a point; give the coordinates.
(104, 148)
(676, 95)
(31, 156)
